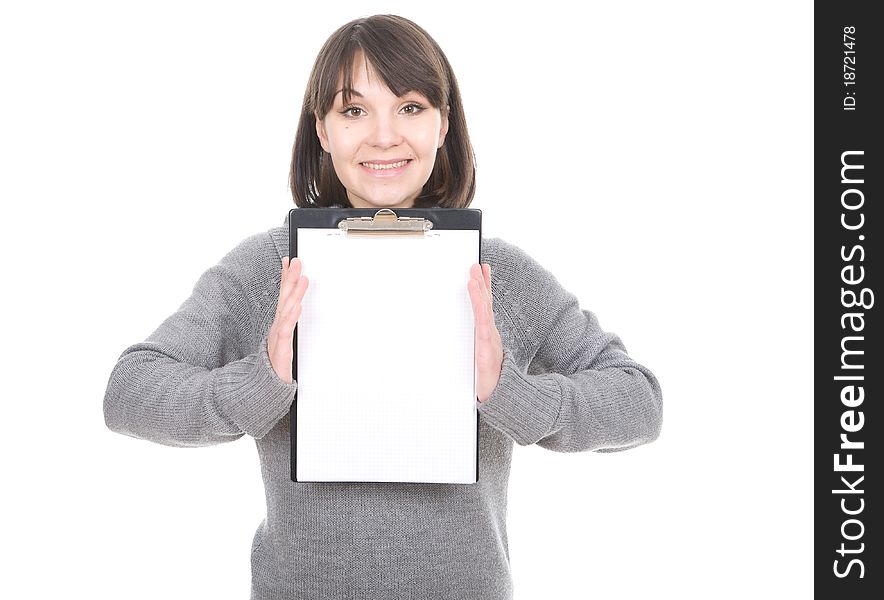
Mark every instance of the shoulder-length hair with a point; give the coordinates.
(407, 59)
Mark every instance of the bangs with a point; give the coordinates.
(402, 64)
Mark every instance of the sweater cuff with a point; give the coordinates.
(252, 395)
(522, 406)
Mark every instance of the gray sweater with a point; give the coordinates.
(204, 377)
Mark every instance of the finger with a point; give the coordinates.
(299, 291)
(476, 275)
(292, 319)
(475, 296)
(294, 299)
(290, 279)
(486, 283)
(293, 273)
(476, 282)
(288, 318)
(486, 291)
(489, 297)
(480, 309)
(294, 277)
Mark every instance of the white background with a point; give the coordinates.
(142, 141)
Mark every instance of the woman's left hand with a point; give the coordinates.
(489, 348)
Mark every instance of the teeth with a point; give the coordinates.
(377, 167)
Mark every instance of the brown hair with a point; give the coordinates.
(407, 59)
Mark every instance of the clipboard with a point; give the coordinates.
(383, 351)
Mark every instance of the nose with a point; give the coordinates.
(385, 132)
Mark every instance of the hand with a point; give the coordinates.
(288, 310)
(489, 348)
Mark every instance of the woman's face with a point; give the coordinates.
(383, 147)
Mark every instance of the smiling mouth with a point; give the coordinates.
(385, 166)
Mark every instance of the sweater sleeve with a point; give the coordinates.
(202, 377)
(565, 384)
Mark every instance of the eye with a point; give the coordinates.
(347, 111)
(415, 108)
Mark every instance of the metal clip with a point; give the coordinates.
(385, 222)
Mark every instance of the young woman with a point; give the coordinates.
(382, 126)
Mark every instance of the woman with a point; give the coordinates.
(382, 126)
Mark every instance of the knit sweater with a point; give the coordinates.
(204, 377)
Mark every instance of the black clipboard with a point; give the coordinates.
(371, 223)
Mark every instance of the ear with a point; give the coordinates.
(444, 129)
(320, 132)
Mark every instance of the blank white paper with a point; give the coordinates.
(385, 366)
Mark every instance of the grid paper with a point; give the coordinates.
(386, 369)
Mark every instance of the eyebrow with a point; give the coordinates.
(353, 92)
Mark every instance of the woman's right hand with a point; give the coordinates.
(288, 310)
